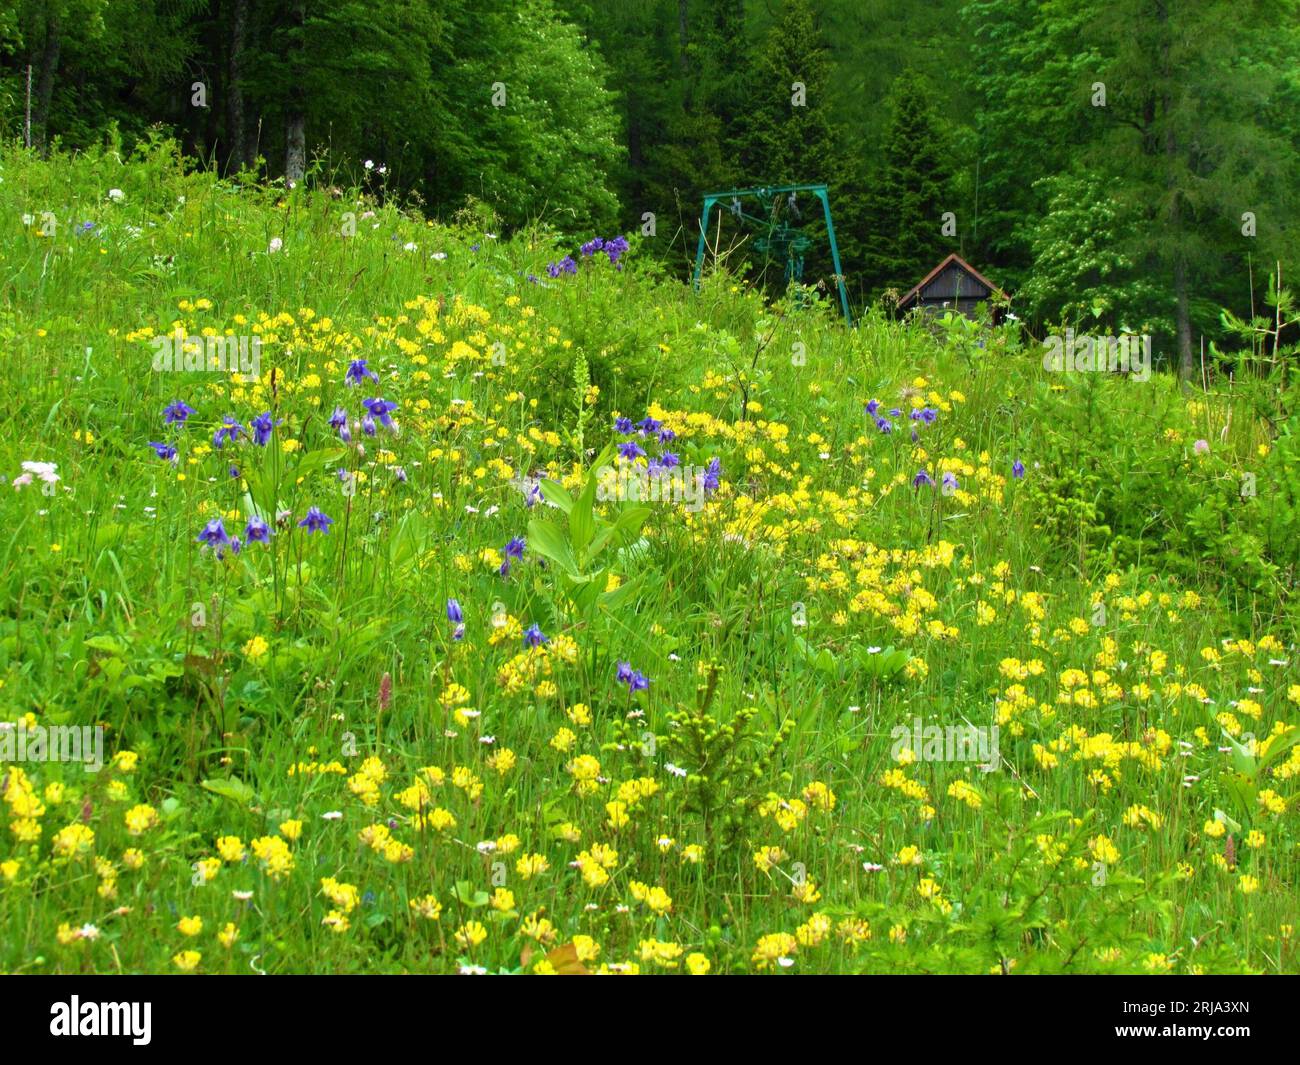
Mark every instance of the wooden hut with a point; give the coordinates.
(953, 285)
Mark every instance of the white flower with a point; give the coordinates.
(676, 771)
(410, 245)
(472, 970)
(487, 846)
(242, 896)
(43, 470)
(88, 931)
(872, 867)
(370, 164)
(439, 255)
(116, 195)
(275, 245)
(332, 815)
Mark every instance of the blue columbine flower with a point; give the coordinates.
(623, 425)
(712, 476)
(454, 612)
(515, 548)
(950, 482)
(668, 460)
(631, 450)
(177, 412)
(1017, 469)
(229, 431)
(164, 451)
(624, 673)
(638, 682)
(616, 247)
(592, 246)
(928, 415)
(884, 425)
(257, 531)
(649, 425)
(358, 371)
(316, 521)
(339, 422)
(380, 408)
(214, 534)
(534, 637)
(922, 478)
(262, 426)
(873, 406)
(666, 435)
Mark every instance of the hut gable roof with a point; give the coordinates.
(942, 283)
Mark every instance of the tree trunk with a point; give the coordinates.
(49, 65)
(238, 156)
(682, 6)
(295, 144)
(1186, 361)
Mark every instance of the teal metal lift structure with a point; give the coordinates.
(779, 239)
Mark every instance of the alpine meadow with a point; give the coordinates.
(683, 487)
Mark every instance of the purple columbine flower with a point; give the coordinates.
(928, 415)
(226, 432)
(873, 406)
(214, 534)
(616, 247)
(358, 371)
(950, 482)
(712, 476)
(533, 495)
(1017, 469)
(534, 637)
(164, 451)
(257, 531)
(649, 425)
(631, 450)
(176, 412)
(884, 425)
(638, 682)
(454, 612)
(623, 425)
(666, 435)
(922, 478)
(669, 459)
(316, 521)
(592, 246)
(380, 408)
(262, 426)
(515, 548)
(624, 673)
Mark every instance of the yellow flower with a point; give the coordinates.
(190, 926)
(187, 960)
(470, 935)
(139, 819)
(256, 648)
(697, 964)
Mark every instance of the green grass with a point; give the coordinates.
(317, 674)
